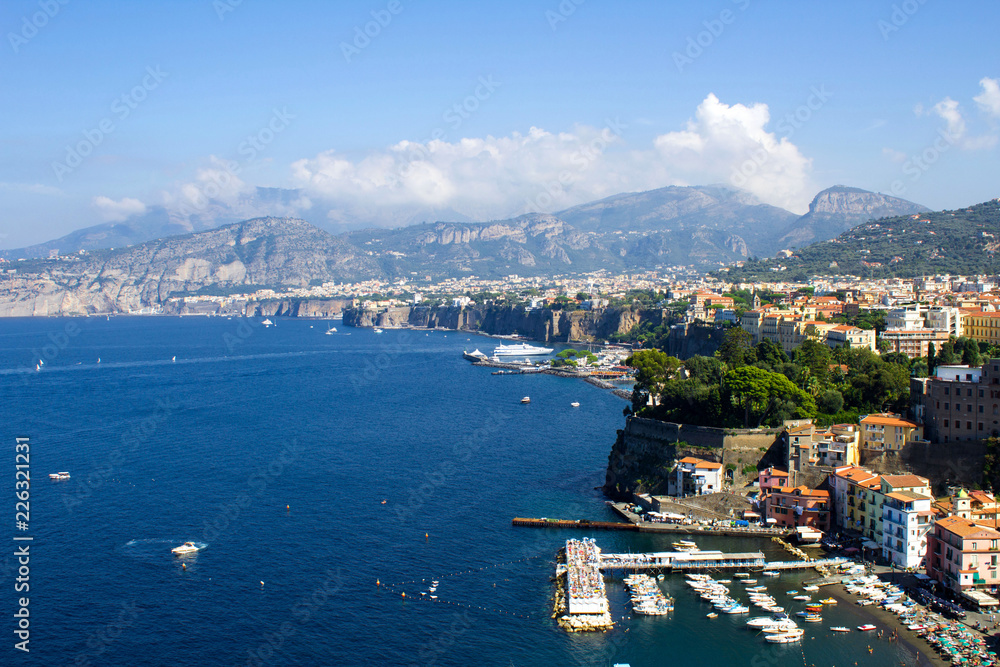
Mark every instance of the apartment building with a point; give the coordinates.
(962, 555)
(888, 432)
(907, 518)
(798, 507)
(962, 403)
(913, 342)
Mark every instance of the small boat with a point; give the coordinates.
(574, 404)
(474, 356)
(526, 400)
(711, 615)
(186, 548)
(738, 575)
(267, 322)
(433, 597)
(812, 618)
(866, 627)
(786, 637)
(331, 331)
(59, 475)
(793, 592)
(772, 573)
(749, 582)
(660, 577)
(802, 598)
(377, 330)
(839, 628)
(174, 358)
(811, 589)
(829, 601)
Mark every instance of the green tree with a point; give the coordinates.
(932, 361)
(830, 402)
(706, 369)
(770, 353)
(736, 348)
(653, 369)
(757, 393)
(816, 357)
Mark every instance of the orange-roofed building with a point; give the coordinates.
(962, 555)
(694, 477)
(888, 432)
(770, 478)
(799, 506)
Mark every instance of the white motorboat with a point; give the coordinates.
(526, 400)
(59, 475)
(377, 330)
(186, 548)
(520, 350)
(267, 322)
(574, 404)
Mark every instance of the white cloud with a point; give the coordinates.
(495, 177)
(949, 111)
(989, 99)
(32, 188)
(732, 143)
(116, 211)
(899, 157)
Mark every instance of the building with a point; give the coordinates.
(694, 477)
(907, 518)
(913, 342)
(846, 483)
(844, 335)
(798, 507)
(962, 555)
(839, 446)
(961, 403)
(982, 327)
(888, 432)
(771, 478)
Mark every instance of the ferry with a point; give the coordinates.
(520, 350)
(186, 548)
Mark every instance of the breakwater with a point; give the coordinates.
(521, 370)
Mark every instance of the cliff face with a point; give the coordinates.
(646, 450)
(538, 324)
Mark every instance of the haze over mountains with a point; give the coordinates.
(701, 225)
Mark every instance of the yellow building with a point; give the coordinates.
(982, 327)
(888, 432)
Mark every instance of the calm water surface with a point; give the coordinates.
(275, 448)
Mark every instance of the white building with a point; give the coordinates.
(945, 318)
(694, 477)
(906, 520)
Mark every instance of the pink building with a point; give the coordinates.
(799, 506)
(771, 478)
(962, 555)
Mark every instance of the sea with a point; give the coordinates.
(328, 480)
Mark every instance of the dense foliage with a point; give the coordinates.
(961, 242)
(749, 386)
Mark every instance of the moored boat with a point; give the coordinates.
(186, 548)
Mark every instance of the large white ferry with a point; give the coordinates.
(520, 350)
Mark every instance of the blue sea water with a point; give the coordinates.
(325, 476)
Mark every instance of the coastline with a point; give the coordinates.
(886, 620)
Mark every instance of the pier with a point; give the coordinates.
(684, 561)
(579, 523)
(647, 527)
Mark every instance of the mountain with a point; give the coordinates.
(963, 241)
(263, 252)
(838, 209)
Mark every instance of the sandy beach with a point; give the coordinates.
(886, 622)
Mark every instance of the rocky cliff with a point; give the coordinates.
(837, 209)
(539, 324)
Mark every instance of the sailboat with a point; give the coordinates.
(331, 330)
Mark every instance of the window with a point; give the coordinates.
(946, 423)
(980, 426)
(980, 409)
(970, 408)
(968, 425)
(980, 393)
(947, 391)
(946, 406)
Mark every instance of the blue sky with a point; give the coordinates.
(557, 104)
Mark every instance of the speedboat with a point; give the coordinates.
(866, 627)
(574, 404)
(839, 628)
(186, 548)
(812, 618)
(829, 601)
(526, 400)
(59, 475)
(377, 330)
(802, 598)
(786, 637)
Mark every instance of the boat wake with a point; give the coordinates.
(155, 550)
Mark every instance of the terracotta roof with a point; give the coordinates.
(689, 459)
(904, 480)
(965, 528)
(907, 496)
(709, 465)
(887, 421)
(774, 472)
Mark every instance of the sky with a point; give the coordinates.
(374, 110)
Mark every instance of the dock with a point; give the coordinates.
(684, 561)
(579, 523)
(647, 527)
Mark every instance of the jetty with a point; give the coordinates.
(579, 523)
(647, 527)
